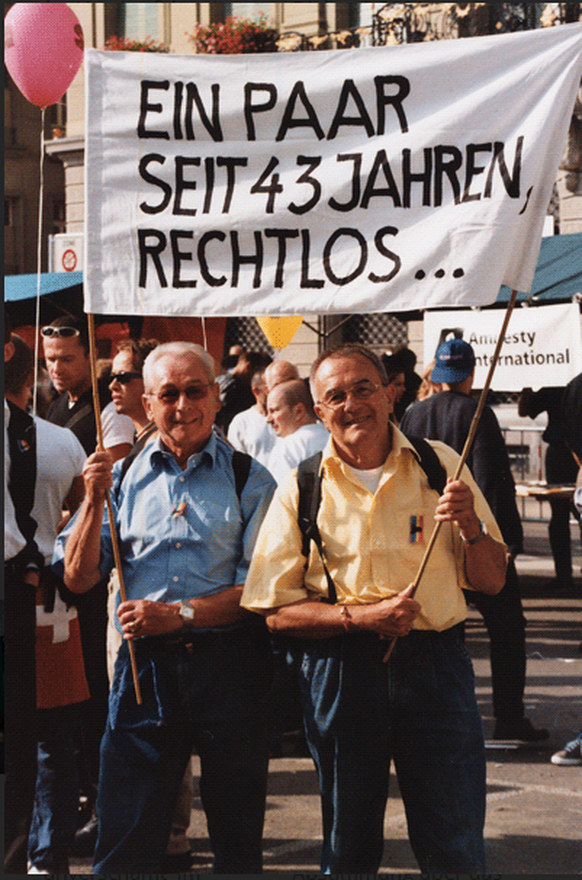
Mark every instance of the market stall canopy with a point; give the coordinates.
(61, 294)
(17, 287)
(558, 274)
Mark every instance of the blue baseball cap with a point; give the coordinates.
(455, 360)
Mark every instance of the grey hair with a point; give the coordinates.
(348, 349)
(185, 350)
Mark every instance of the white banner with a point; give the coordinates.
(542, 346)
(367, 180)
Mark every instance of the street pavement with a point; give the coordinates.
(534, 808)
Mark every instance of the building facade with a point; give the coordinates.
(301, 27)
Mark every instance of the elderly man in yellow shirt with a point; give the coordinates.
(418, 709)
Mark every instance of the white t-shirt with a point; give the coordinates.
(301, 444)
(370, 478)
(59, 459)
(13, 539)
(116, 427)
(250, 432)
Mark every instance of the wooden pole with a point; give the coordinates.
(466, 448)
(112, 528)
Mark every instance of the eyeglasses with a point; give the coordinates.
(124, 378)
(170, 396)
(360, 391)
(64, 332)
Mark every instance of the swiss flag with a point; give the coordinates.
(60, 672)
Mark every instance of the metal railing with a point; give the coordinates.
(526, 450)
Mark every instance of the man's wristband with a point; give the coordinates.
(472, 541)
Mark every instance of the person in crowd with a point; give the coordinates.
(235, 351)
(127, 389)
(406, 359)
(427, 387)
(572, 418)
(571, 754)
(61, 685)
(280, 371)
(447, 416)
(235, 390)
(299, 433)
(23, 562)
(397, 377)
(249, 430)
(560, 468)
(418, 707)
(187, 529)
(66, 354)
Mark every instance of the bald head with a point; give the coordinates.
(289, 407)
(280, 371)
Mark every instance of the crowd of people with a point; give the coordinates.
(239, 550)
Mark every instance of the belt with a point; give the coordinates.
(192, 641)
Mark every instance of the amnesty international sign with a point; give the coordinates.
(543, 345)
(350, 181)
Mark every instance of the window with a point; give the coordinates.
(246, 10)
(8, 212)
(139, 20)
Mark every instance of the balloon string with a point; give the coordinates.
(38, 263)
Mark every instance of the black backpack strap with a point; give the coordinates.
(241, 465)
(82, 413)
(430, 463)
(133, 454)
(22, 479)
(309, 483)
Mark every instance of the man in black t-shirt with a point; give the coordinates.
(447, 416)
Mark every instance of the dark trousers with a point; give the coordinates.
(56, 802)
(92, 611)
(505, 622)
(213, 698)
(560, 468)
(19, 716)
(419, 710)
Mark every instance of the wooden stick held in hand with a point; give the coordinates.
(112, 529)
(466, 448)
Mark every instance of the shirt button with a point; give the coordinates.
(181, 479)
(178, 545)
(175, 578)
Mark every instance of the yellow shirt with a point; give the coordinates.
(373, 543)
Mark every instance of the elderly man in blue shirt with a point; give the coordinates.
(186, 533)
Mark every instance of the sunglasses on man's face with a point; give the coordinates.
(124, 378)
(63, 332)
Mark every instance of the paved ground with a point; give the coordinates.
(534, 807)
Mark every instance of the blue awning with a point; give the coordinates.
(17, 287)
(558, 272)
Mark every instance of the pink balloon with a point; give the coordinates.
(43, 49)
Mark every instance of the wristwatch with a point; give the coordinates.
(477, 538)
(186, 612)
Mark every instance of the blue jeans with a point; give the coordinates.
(56, 801)
(213, 699)
(419, 709)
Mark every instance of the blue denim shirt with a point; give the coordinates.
(183, 534)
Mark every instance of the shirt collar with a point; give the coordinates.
(159, 454)
(399, 442)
